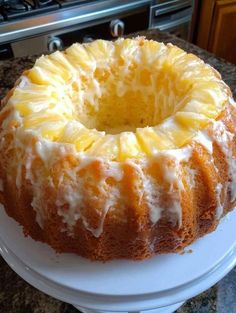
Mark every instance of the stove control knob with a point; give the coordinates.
(88, 38)
(117, 28)
(54, 44)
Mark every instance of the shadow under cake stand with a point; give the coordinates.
(160, 284)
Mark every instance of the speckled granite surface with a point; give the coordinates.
(16, 296)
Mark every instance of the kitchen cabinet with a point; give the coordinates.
(215, 27)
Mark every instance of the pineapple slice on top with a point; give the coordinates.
(107, 147)
(129, 146)
(75, 133)
(152, 140)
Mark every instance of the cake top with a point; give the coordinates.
(119, 100)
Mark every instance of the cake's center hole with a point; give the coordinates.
(124, 98)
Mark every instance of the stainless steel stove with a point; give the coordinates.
(35, 26)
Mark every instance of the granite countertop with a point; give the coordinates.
(16, 296)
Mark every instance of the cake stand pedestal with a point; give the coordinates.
(160, 284)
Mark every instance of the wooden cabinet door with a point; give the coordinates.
(215, 29)
(222, 39)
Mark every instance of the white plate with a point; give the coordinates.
(161, 281)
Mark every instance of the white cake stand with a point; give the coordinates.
(160, 284)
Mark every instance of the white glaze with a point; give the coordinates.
(72, 197)
(13, 116)
(178, 155)
(49, 152)
(224, 138)
(191, 177)
(152, 195)
(24, 82)
(38, 204)
(173, 178)
(111, 201)
(219, 205)
(232, 102)
(114, 170)
(204, 139)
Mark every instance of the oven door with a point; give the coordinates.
(174, 17)
(179, 27)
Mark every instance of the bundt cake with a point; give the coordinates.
(120, 149)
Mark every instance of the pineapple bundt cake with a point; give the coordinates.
(120, 149)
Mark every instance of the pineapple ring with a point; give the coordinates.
(119, 100)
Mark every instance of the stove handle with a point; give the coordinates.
(54, 44)
(117, 28)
